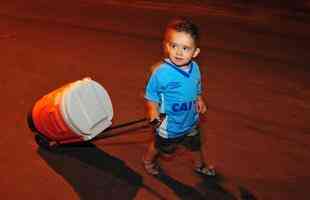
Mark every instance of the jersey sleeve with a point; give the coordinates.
(152, 89)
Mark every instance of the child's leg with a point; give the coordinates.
(159, 147)
(198, 158)
(150, 160)
(152, 153)
(193, 142)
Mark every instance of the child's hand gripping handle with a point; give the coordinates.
(155, 123)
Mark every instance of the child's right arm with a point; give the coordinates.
(152, 110)
(155, 118)
(152, 105)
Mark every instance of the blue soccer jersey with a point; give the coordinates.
(176, 92)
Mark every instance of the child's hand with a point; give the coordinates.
(201, 106)
(155, 123)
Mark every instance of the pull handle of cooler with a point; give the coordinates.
(126, 124)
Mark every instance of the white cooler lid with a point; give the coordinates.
(87, 108)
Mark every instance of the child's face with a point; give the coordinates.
(180, 47)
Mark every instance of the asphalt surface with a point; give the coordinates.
(257, 129)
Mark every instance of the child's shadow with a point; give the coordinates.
(92, 173)
(213, 189)
(209, 189)
(185, 192)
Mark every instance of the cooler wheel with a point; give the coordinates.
(42, 141)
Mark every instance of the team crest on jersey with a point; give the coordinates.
(173, 85)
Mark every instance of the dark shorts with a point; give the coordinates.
(191, 141)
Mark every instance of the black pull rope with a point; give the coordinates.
(119, 126)
(126, 124)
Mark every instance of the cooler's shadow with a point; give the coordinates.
(92, 173)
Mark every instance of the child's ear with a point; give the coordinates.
(197, 51)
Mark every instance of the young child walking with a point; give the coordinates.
(174, 98)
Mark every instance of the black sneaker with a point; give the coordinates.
(205, 171)
(151, 167)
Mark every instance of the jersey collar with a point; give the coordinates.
(176, 67)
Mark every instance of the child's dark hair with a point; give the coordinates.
(182, 24)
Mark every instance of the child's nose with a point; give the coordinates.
(179, 51)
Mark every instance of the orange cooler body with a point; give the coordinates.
(75, 112)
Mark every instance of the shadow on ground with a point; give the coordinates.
(92, 173)
(213, 191)
(208, 189)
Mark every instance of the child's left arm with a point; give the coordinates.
(201, 105)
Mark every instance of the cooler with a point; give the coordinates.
(75, 112)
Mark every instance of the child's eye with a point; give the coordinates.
(187, 48)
